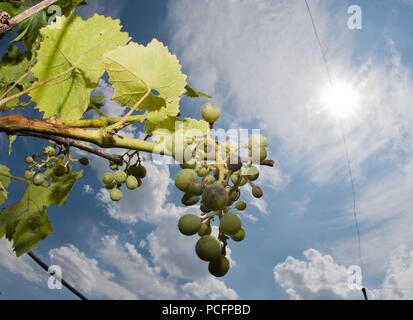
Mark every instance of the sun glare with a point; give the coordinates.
(340, 99)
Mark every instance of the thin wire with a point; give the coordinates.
(350, 172)
(46, 267)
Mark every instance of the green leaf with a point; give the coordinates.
(8, 7)
(34, 200)
(192, 93)
(188, 127)
(31, 229)
(13, 65)
(134, 69)
(4, 183)
(12, 138)
(77, 43)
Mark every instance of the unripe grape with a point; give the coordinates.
(257, 140)
(210, 112)
(189, 224)
(116, 194)
(234, 162)
(239, 236)
(182, 152)
(114, 166)
(28, 159)
(38, 179)
(189, 199)
(107, 178)
(111, 185)
(29, 174)
(49, 151)
(140, 171)
(234, 194)
(252, 173)
(184, 178)
(234, 178)
(196, 188)
(215, 197)
(59, 170)
(84, 161)
(241, 205)
(205, 230)
(258, 154)
(219, 267)
(230, 223)
(131, 183)
(120, 176)
(257, 192)
(208, 248)
(209, 180)
(203, 172)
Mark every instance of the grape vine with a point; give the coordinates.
(56, 73)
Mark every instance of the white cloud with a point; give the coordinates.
(88, 189)
(134, 277)
(320, 277)
(20, 266)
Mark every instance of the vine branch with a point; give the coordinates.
(14, 21)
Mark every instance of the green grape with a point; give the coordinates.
(252, 173)
(234, 194)
(258, 154)
(28, 159)
(230, 223)
(210, 112)
(241, 205)
(257, 140)
(189, 199)
(38, 179)
(29, 174)
(205, 230)
(107, 178)
(184, 178)
(197, 187)
(189, 224)
(234, 162)
(239, 236)
(209, 180)
(215, 197)
(219, 267)
(116, 194)
(131, 183)
(182, 152)
(234, 178)
(114, 166)
(140, 171)
(204, 208)
(203, 172)
(49, 151)
(120, 176)
(208, 248)
(257, 192)
(59, 170)
(84, 161)
(111, 185)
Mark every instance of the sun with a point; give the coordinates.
(340, 99)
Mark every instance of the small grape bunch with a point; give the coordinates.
(54, 160)
(131, 176)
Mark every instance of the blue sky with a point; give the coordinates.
(260, 61)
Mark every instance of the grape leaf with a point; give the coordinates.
(134, 69)
(77, 43)
(188, 127)
(192, 93)
(31, 229)
(4, 183)
(13, 65)
(34, 200)
(8, 7)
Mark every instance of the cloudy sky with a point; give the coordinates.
(260, 61)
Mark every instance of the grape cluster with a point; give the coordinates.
(131, 176)
(54, 157)
(217, 188)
